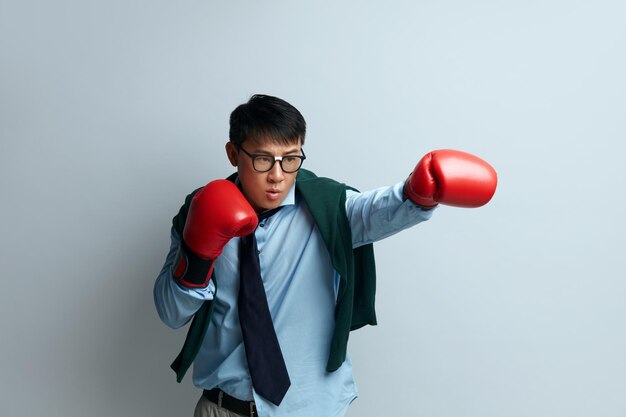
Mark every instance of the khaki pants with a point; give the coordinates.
(206, 408)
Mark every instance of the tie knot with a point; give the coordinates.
(269, 213)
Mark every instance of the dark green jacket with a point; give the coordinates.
(326, 200)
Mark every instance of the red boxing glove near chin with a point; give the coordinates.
(218, 213)
(452, 178)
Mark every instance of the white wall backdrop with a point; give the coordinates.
(112, 111)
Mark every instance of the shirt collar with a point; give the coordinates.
(290, 199)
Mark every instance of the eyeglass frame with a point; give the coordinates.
(253, 156)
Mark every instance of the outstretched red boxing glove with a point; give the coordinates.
(453, 178)
(218, 213)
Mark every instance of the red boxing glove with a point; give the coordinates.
(453, 178)
(218, 213)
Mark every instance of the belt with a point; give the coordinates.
(219, 397)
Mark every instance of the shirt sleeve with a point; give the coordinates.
(380, 213)
(176, 304)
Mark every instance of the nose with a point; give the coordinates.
(276, 174)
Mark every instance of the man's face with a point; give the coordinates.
(263, 190)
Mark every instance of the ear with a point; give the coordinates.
(232, 153)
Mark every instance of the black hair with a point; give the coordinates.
(265, 117)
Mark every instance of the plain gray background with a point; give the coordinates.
(112, 111)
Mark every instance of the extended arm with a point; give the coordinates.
(445, 176)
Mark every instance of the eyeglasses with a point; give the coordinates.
(264, 163)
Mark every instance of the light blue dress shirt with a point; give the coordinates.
(301, 287)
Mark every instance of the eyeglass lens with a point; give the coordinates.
(287, 164)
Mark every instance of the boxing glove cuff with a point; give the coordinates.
(407, 194)
(190, 270)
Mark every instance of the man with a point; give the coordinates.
(275, 266)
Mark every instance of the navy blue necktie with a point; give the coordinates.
(265, 359)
